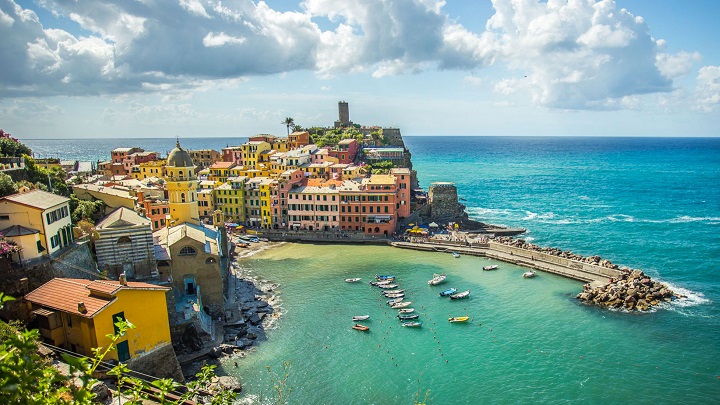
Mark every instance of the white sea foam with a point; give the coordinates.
(692, 298)
(529, 216)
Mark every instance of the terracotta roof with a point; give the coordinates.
(37, 199)
(64, 294)
(222, 165)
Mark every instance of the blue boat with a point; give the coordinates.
(448, 292)
(384, 277)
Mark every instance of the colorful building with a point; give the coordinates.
(298, 139)
(315, 206)
(230, 199)
(78, 314)
(181, 186)
(220, 171)
(125, 245)
(251, 151)
(204, 158)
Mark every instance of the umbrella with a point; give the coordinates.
(433, 225)
(411, 224)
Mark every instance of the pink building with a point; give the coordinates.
(232, 154)
(345, 151)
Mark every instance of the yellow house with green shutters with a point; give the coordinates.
(78, 314)
(230, 199)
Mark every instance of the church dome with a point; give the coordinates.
(179, 157)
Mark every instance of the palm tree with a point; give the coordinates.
(289, 122)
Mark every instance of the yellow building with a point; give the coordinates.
(220, 171)
(206, 204)
(153, 168)
(182, 187)
(39, 210)
(77, 314)
(266, 190)
(251, 152)
(250, 172)
(230, 199)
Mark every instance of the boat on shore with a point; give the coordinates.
(448, 292)
(458, 319)
(460, 295)
(488, 268)
(529, 274)
(360, 317)
(358, 326)
(412, 324)
(352, 280)
(399, 305)
(406, 317)
(437, 279)
(406, 310)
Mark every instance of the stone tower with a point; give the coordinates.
(443, 200)
(343, 115)
(182, 185)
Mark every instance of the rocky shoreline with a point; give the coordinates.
(631, 291)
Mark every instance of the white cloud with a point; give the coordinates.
(677, 65)
(221, 39)
(194, 7)
(708, 89)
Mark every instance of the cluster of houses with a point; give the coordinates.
(163, 247)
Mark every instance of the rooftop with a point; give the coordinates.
(37, 199)
(121, 218)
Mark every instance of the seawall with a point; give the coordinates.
(587, 273)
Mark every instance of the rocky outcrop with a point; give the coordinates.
(633, 290)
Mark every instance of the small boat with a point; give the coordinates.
(406, 317)
(529, 274)
(398, 295)
(493, 267)
(406, 310)
(361, 317)
(399, 305)
(384, 277)
(352, 280)
(394, 301)
(393, 292)
(412, 324)
(458, 319)
(437, 279)
(383, 282)
(448, 292)
(460, 295)
(357, 326)
(456, 255)
(388, 286)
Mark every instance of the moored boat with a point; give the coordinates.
(529, 274)
(358, 326)
(398, 295)
(393, 292)
(360, 317)
(384, 277)
(448, 292)
(352, 280)
(394, 301)
(460, 295)
(456, 254)
(458, 319)
(412, 324)
(437, 279)
(382, 282)
(406, 310)
(387, 286)
(405, 317)
(399, 305)
(493, 267)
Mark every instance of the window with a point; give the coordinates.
(4, 217)
(120, 316)
(210, 260)
(182, 197)
(124, 239)
(187, 251)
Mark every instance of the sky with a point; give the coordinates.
(236, 68)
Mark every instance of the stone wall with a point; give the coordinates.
(444, 204)
(159, 362)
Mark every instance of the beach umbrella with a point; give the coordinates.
(433, 225)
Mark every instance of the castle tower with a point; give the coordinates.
(343, 115)
(182, 185)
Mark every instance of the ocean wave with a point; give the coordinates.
(481, 211)
(529, 216)
(691, 299)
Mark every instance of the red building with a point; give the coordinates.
(345, 151)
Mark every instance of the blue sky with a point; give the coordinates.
(192, 68)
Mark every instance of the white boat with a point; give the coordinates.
(437, 279)
(493, 267)
(388, 286)
(401, 305)
(529, 274)
(460, 295)
(384, 282)
(393, 292)
(406, 310)
(394, 301)
(398, 295)
(456, 255)
(352, 280)
(360, 317)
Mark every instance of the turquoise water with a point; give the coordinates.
(652, 204)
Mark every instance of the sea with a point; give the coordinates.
(646, 203)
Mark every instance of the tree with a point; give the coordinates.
(91, 211)
(289, 123)
(7, 185)
(11, 147)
